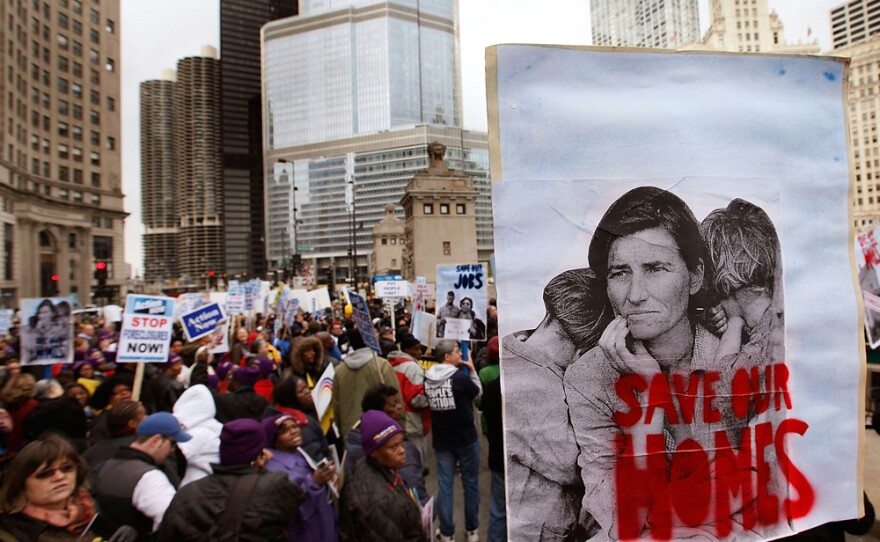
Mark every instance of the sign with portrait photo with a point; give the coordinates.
(46, 331)
(657, 228)
(461, 307)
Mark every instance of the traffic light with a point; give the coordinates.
(212, 278)
(55, 278)
(101, 273)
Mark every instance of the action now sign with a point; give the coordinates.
(146, 329)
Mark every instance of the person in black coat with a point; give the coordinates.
(195, 511)
(241, 401)
(376, 505)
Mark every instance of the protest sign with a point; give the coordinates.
(147, 325)
(6, 316)
(219, 341)
(321, 395)
(361, 314)
(317, 300)
(235, 300)
(201, 321)
(422, 292)
(462, 317)
(390, 286)
(46, 331)
(423, 326)
(635, 194)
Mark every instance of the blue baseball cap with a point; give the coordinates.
(162, 423)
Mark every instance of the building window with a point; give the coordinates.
(63, 193)
(71, 240)
(64, 175)
(460, 209)
(95, 137)
(394, 240)
(447, 248)
(428, 209)
(110, 27)
(62, 63)
(77, 154)
(110, 66)
(95, 117)
(108, 223)
(62, 85)
(63, 107)
(94, 17)
(78, 176)
(384, 241)
(95, 97)
(77, 90)
(96, 180)
(63, 151)
(77, 133)
(94, 37)
(95, 159)
(77, 196)
(444, 208)
(77, 69)
(8, 246)
(111, 103)
(63, 42)
(94, 57)
(77, 112)
(96, 199)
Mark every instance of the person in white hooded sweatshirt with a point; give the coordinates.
(195, 410)
(451, 387)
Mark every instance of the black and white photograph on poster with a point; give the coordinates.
(46, 331)
(669, 286)
(462, 289)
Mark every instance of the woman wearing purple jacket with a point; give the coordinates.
(316, 520)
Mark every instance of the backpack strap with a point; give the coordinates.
(237, 502)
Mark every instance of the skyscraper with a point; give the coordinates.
(61, 202)
(854, 21)
(354, 91)
(242, 146)
(157, 178)
(644, 23)
(198, 197)
(181, 162)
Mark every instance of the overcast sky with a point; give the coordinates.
(156, 33)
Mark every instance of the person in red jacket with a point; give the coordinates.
(411, 378)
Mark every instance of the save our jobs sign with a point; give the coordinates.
(146, 329)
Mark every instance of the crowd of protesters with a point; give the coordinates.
(232, 447)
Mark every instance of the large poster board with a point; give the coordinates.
(46, 331)
(462, 314)
(657, 227)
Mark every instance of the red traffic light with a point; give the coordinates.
(55, 278)
(100, 266)
(210, 273)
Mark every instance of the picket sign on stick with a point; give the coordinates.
(138, 382)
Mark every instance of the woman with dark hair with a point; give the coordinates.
(650, 260)
(17, 398)
(477, 329)
(292, 394)
(307, 360)
(44, 495)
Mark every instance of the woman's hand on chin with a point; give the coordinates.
(626, 361)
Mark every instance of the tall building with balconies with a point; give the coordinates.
(181, 165)
(354, 91)
(644, 23)
(157, 178)
(61, 201)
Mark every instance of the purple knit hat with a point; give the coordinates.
(246, 376)
(223, 369)
(241, 441)
(377, 428)
(265, 365)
